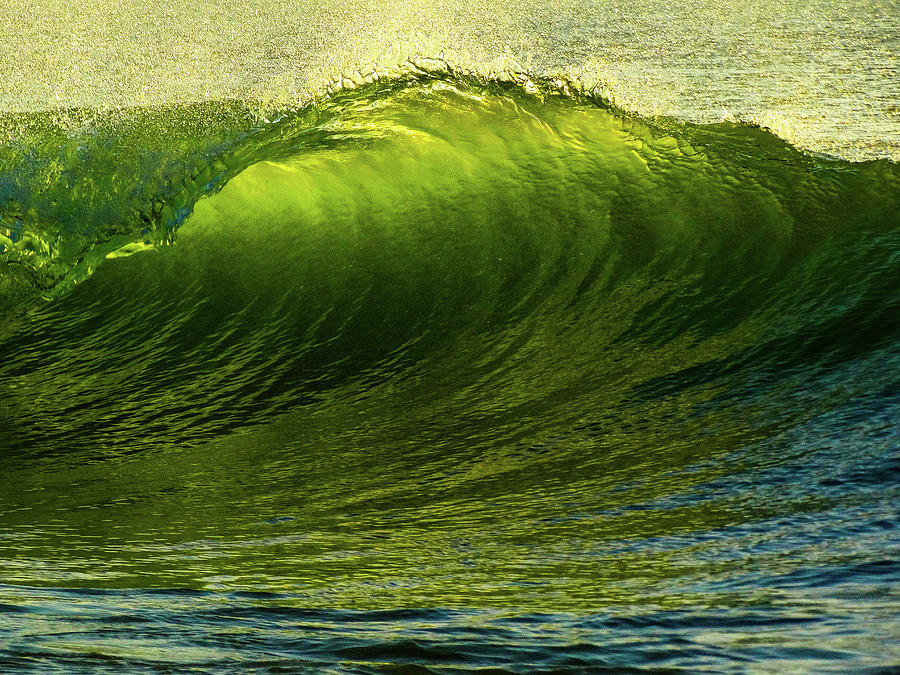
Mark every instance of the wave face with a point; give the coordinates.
(450, 371)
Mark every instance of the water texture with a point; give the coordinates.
(447, 370)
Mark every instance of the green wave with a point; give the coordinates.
(467, 343)
(76, 188)
(524, 233)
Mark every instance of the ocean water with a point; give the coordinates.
(447, 338)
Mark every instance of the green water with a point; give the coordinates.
(536, 372)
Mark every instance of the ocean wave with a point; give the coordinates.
(494, 222)
(73, 193)
(487, 361)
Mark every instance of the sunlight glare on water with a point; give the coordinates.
(821, 74)
(355, 336)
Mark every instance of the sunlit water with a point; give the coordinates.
(448, 368)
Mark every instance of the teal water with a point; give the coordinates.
(450, 372)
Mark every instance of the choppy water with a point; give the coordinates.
(445, 370)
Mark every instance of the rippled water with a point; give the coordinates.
(444, 370)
